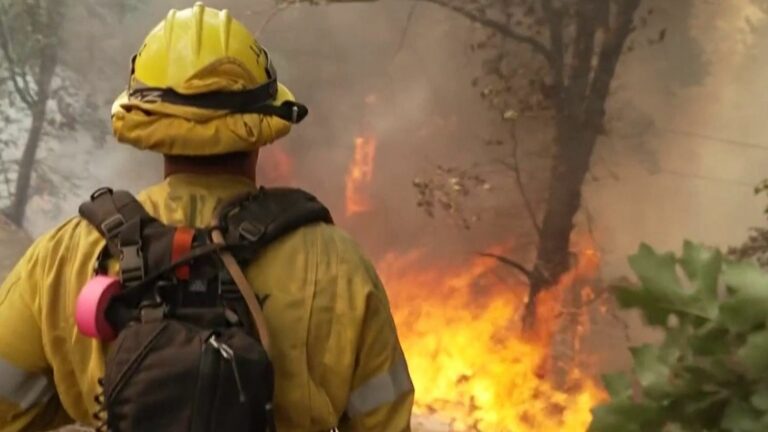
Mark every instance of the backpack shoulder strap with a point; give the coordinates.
(121, 220)
(259, 218)
(247, 224)
(109, 211)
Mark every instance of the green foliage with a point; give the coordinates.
(710, 372)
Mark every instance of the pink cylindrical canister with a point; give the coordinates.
(90, 312)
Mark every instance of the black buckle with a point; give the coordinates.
(250, 231)
(227, 288)
(112, 226)
(131, 264)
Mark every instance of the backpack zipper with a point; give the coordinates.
(206, 389)
(229, 354)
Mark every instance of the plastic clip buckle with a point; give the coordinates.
(131, 264)
(112, 226)
(227, 288)
(251, 231)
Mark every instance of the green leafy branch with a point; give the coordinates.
(710, 372)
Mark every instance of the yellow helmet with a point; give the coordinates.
(203, 58)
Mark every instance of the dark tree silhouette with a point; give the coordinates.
(28, 41)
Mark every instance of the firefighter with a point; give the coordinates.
(337, 359)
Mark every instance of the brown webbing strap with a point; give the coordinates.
(245, 290)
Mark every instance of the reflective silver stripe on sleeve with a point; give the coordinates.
(21, 387)
(380, 390)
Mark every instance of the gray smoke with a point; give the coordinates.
(685, 138)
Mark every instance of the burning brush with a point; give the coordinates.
(472, 368)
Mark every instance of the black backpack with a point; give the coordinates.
(192, 349)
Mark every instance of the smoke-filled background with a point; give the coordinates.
(684, 144)
(680, 159)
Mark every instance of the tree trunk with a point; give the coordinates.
(574, 145)
(579, 118)
(26, 165)
(565, 343)
(48, 64)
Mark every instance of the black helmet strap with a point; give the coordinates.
(258, 100)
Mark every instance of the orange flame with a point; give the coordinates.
(471, 367)
(359, 176)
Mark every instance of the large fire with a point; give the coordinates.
(359, 176)
(471, 367)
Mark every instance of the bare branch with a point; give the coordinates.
(519, 181)
(499, 27)
(407, 26)
(510, 262)
(272, 14)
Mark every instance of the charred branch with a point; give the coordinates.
(509, 262)
(499, 27)
(407, 26)
(272, 14)
(515, 168)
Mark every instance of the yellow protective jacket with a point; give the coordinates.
(335, 349)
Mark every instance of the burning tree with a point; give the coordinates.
(575, 48)
(556, 58)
